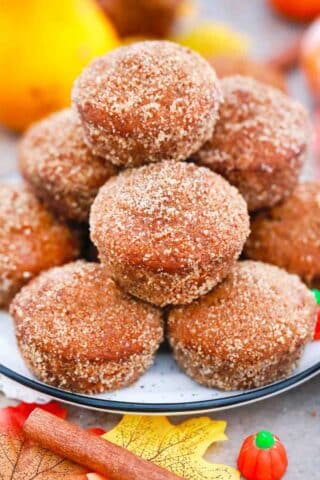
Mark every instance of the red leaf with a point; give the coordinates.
(21, 459)
(97, 431)
(19, 414)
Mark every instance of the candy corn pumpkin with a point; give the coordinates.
(262, 457)
(317, 329)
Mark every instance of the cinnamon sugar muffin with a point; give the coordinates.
(78, 331)
(288, 235)
(148, 18)
(59, 166)
(31, 240)
(230, 65)
(247, 332)
(168, 232)
(147, 102)
(259, 142)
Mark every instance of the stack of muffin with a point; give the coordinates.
(163, 161)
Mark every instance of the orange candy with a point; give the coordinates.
(302, 10)
(262, 457)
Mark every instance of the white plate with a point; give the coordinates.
(162, 390)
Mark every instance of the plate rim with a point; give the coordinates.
(191, 407)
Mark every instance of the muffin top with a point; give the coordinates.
(259, 128)
(258, 312)
(77, 311)
(288, 234)
(31, 238)
(169, 217)
(147, 102)
(57, 163)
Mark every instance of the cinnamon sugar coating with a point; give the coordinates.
(259, 141)
(168, 232)
(31, 240)
(288, 235)
(78, 331)
(147, 102)
(247, 332)
(59, 166)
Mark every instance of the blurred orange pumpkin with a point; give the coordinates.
(302, 10)
(310, 57)
(262, 457)
(44, 45)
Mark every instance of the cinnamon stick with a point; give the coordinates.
(288, 58)
(93, 452)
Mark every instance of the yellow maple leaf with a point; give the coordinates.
(178, 448)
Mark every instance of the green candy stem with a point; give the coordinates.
(316, 294)
(265, 439)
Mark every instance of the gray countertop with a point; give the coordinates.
(295, 415)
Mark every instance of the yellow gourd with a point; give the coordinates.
(211, 38)
(44, 45)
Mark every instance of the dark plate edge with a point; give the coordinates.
(168, 408)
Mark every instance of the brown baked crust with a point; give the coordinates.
(247, 332)
(288, 235)
(230, 65)
(259, 141)
(59, 166)
(148, 18)
(168, 232)
(77, 330)
(147, 102)
(31, 240)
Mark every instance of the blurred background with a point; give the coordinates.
(44, 45)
